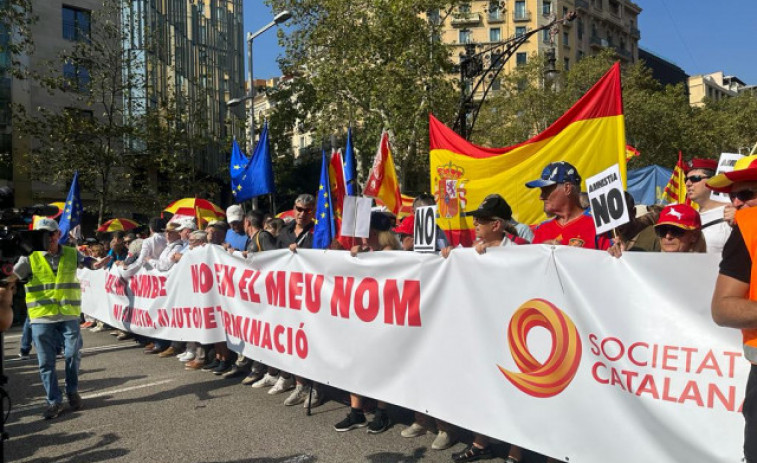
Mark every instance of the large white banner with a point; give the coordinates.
(567, 352)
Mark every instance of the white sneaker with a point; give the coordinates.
(97, 329)
(266, 381)
(186, 356)
(313, 400)
(297, 396)
(282, 385)
(415, 430)
(443, 441)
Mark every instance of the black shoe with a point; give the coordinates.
(212, 365)
(235, 372)
(222, 367)
(354, 420)
(74, 401)
(52, 411)
(380, 422)
(472, 453)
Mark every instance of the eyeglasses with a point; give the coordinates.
(742, 195)
(306, 210)
(482, 220)
(665, 230)
(696, 178)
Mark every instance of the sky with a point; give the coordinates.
(700, 36)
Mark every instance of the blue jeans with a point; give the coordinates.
(47, 340)
(26, 338)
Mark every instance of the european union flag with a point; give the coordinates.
(238, 161)
(325, 228)
(257, 176)
(350, 177)
(72, 211)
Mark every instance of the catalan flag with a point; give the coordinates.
(675, 191)
(382, 182)
(590, 136)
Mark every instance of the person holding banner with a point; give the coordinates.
(714, 227)
(680, 229)
(734, 300)
(560, 186)
(638, 235)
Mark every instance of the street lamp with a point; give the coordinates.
(278, 19)
(232, 103)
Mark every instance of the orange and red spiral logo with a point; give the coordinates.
(553, 376)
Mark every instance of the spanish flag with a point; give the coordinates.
(590, 136)
(382, 182)
(675, 190)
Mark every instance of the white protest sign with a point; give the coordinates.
(725, 164)
(356, 216)
(424, 229)
(608, 203)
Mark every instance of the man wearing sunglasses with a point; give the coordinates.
(734, 301)
(299, 232)
(714, 227)
(560, 187)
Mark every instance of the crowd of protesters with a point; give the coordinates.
(673, 228)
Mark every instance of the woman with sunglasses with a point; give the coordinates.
(679, 229)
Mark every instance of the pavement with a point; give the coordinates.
(144, 408)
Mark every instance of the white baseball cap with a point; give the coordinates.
(46, 224)
(234, 213)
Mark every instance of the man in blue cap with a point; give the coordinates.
(560, 186)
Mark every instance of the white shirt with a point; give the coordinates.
(165, 262)
(152, 248)
(717, 234)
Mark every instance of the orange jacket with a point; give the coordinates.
(747, 222)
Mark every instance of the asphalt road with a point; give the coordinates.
(143, 408)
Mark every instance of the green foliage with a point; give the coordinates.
(16, 22)
(373, 63)
(659, 120)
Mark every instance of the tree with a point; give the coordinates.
(16, 40)
(375, 63)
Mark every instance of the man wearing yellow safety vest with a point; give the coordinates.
(53, 299)
(734, 302)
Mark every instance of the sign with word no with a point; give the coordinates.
(608, 203)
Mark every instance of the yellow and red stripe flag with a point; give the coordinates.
(382, 182)
(590, 136)
(675, 190)
(336, 178)
(631, 152)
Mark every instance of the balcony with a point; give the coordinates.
(597, 42)
(466, 19)
(635, 33)
(522, 16)
(495, 18)
(582, 4)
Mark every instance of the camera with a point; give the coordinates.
(17, 240)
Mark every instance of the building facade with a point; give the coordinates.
(713, 87)
(600, 24)
(190, 50)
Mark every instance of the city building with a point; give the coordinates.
(188, 50)
(714, 87)
(664, 71)
(600, 24)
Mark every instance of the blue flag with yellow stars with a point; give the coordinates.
(325, 228)
(72, 211)
(350, 178)
(257, 176)
(238, 161)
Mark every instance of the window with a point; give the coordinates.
(546, 8)
(465, 36)
(580, 30)
(521, 58)
(520, 30)
(565, 38)
(434, 17)
(496, 85)
(545, 36)
(566, 64)
(464, 9)
(495, 34)
(76, 24)
(520, 9)
(76, 76)
(494, 11)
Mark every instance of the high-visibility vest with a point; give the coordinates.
(48, 293)
(747, 222)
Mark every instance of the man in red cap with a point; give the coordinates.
(714, 227)
(679, 229)
(734, 301)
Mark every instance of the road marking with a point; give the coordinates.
(85, 350)
(41, 403)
